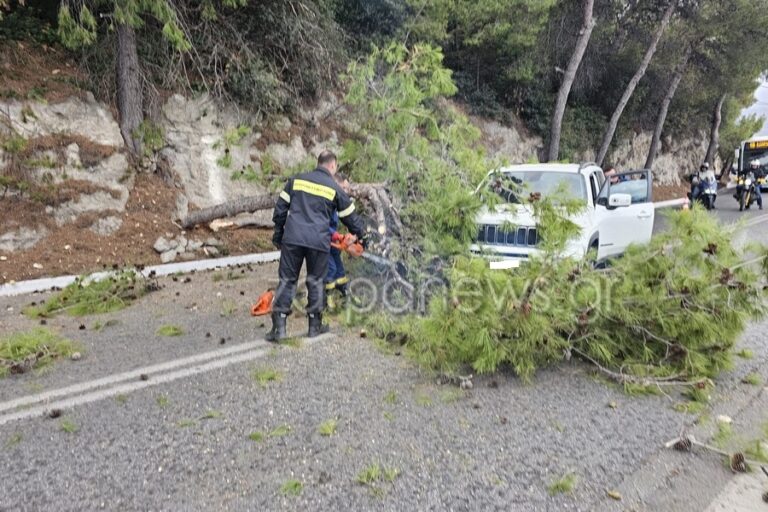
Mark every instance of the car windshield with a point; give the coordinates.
(510, 185)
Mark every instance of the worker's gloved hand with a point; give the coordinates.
(277, 240)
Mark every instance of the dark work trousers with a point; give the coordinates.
(291, 259)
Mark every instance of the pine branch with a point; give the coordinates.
(623, 378)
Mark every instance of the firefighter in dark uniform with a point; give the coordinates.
(302, 215)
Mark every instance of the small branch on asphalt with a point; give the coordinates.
(622, 378)
(737, 460)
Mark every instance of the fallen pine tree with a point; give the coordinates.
(666, 314)
(375, 195)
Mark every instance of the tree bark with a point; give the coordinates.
(375, 193)
(714, 134)
(632, 85)
(129, 93)
(568, 78)
(228, 209)
(664, 109)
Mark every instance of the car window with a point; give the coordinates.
(638, 189)
(633, 184)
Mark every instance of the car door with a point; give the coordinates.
(618, 227)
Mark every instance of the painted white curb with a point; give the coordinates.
(45, 284)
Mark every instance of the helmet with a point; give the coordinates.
(705, 166)
(754, 163)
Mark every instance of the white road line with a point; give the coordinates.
(125, 388)
(133, 374)
(756, 220)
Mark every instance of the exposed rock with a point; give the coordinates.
(74, 116)
(168, 256)
(108, 174)
(187, 256)
(195, 130)
(194, 245)
(288, 155)
(211, 241)
(182, 207)
(211, 251)
(106, 226)
(21, 239)
(162, 245)
(96, 202)
(72, 156)
(676, 158)
(181, 243)
(508, 143)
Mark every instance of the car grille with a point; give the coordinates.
(492, 234)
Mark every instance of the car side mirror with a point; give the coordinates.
(619, 200)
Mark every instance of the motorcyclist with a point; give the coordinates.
(697, 181)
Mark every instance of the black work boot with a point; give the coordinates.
(278, 331)
(316, 327)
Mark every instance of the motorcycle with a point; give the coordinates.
(745, 190)
(708, 190)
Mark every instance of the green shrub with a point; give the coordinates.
(33, 349)
(84, 297)
(151, 135)
(13, 143)
(170, 330)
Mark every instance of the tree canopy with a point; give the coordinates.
(508, 57)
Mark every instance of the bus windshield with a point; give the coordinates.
(757, 150)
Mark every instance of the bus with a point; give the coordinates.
(755, 148)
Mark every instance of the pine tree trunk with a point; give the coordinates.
(664, 109)
(632, 85)
(714, 134)
(129, 93)
(568, 78)
(228, 209)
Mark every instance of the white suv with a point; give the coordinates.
(618, 211)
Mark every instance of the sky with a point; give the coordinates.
(760, 107)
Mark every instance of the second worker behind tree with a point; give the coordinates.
(302, 215)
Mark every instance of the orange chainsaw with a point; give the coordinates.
(351, 245)
(347, 243)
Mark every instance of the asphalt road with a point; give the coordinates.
(164, 423)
